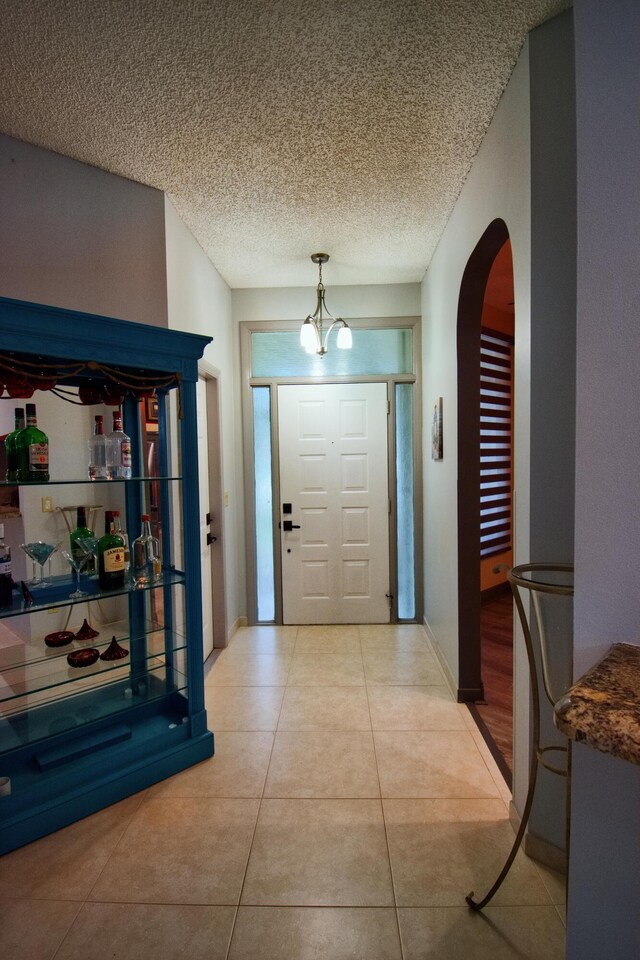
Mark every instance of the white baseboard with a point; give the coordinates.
(545, 852)
(235, 626)
(448, 676)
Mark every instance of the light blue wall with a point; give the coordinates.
(553, 356)
(604, 883)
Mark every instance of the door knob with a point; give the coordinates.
(289, 525)
(211, 539)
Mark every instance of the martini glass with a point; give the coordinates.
(90, 547)
(77, 563)
(39, 552)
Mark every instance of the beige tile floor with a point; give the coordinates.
(350, 807)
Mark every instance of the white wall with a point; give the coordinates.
(498, 185)
(604, 878)
(199, 301)
(256, 305)
(294, 303)
(76, 237)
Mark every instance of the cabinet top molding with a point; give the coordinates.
(36, 328)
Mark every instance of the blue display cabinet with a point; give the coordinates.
(73, 740)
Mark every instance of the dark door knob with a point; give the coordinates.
(289, 525)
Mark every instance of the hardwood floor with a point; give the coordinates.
(496, 713)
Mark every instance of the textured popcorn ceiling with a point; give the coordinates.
(277, 127)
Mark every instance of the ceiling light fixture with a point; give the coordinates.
(311, 335)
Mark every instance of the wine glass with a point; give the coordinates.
(90, 547)
(39, 552)
(77, 563)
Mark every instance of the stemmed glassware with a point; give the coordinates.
(90, 547)
(77, 563)
(39, 552)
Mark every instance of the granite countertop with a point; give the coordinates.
(602, 709)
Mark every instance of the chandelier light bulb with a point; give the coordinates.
(345, 340)
(308, 337)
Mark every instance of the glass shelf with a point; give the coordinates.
(58, 674)
(56, 592)
(85, 480)
(71, 711)
(35, 653)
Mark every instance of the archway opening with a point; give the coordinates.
(485, 471)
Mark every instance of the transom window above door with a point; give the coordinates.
(382, 352)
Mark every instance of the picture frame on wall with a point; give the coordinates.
(436, 431)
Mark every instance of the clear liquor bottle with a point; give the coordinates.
(97, 448)
(10, 444)
(32, 446)
(110, 556)
(119, 450)
(147, 566)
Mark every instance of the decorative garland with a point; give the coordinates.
(22, 377)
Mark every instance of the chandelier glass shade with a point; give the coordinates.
(312, 335)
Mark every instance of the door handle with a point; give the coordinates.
(288, 525)
(211, 539)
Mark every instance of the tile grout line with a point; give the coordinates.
(384, 822)
(64, 936)
(260, 799)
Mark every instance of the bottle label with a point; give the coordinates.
(125, 454)
(113, 560)
(38, 456)
(5, 568)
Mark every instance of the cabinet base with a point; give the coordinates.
(56, 797)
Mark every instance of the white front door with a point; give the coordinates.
(334, 474)
(205, 549)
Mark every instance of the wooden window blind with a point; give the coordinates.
(496, 461)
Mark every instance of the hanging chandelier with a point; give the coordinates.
(311, 333)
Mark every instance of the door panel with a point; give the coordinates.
(333, 470)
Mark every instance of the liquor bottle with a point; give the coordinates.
(10, 444)
(119, 450)
(97, 448)
(32, 447)
(127, 556)
(146, 555)
(110, 556)
(81, 532)
(6, 580)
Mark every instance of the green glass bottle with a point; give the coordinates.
(32, 446)
(10, 444)
(81, 532)
(110, 556)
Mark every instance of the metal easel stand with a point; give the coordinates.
(518, 580)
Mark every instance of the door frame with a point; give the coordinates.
(248, 382)
(211, 377)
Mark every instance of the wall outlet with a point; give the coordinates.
(47, 504)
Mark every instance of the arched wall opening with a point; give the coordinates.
(469, 325)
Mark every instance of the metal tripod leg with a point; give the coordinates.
(517, 577)
(533, 773)
(533, 767)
